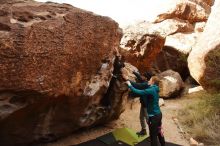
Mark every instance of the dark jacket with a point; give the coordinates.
(142, 84)
(138, 77)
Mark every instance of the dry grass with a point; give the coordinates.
(202, 117)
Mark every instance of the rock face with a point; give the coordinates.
(56, 65)
(204, 59)
(193, 11)
(195, 89)
(170, 84)
(182, 42)
(143, 44)
(193, 14)
(139, 47)
(189, 16)
(170, 58)
(166, 27)
(127, 72)
(208, 2)
(178, 44)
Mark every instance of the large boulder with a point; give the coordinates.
(170, 26)
(204, 59)
(175, 52)
(127, 72)
(186, 10)
(152, 57)
(139, 47)
(182, 42)
(171, 84)
(181, 25)
(171, 58)
(55, 71)
(179, 41)
(203, 2)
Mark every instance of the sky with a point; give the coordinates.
(125, 12)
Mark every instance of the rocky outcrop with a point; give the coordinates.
(127, 72)
(56, 71)
(195, 89)
(173, 54)
(171, 84)
(171, 26)
(192, 12)
(166, 27)
(158, 57)
(207, 2)
(170, 58)
(204, 59)
(182, 42)
(187, 10)
(181, 25)
(139, 47)
(193, 15)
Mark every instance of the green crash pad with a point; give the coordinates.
(121, 137)
(96, 142)
(125, 135)
(128, 136)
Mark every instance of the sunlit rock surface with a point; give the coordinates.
(56, 71)
(193, 11)
(139, 47)
(171, 84)
(204, 59)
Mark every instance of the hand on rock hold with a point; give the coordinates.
(125, 77)
(128, 83)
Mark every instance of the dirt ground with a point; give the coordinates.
(130, 119)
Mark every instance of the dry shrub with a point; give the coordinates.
(201, 117)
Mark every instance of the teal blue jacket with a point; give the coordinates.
(150, 96)
(140, 86)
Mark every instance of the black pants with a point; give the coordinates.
(155, 130)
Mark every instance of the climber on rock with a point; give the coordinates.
(142, 83)
(150, 97)
(118, 65)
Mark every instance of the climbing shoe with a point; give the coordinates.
(142, 132)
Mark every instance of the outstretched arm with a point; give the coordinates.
(137, 91)
(138, 76)
(140, 86)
